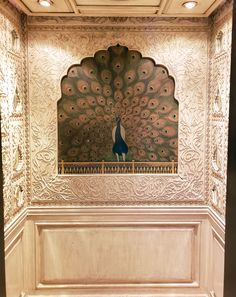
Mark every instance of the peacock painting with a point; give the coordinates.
(117, 106)
(120, 148)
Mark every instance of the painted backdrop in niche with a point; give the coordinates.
(117, 92)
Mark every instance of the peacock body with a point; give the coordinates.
(120, 147)
(117, 83)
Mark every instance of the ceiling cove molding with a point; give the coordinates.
(117, 29)
(222, 14)
(117, 21)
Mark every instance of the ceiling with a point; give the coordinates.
(164, 8)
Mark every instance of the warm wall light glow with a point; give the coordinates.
(189, 4)
(45, 3)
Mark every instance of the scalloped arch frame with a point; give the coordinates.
(117, 83)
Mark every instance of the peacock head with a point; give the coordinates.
(118, 119)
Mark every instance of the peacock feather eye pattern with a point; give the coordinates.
(145, 69)
(62, 115)
(96, 87)
(117, 84)
(102, 57)
(82, 103)
(107, 90)
(129, 91)
(74, 71)
(68, 88)
(154, 86)
(106, 76)
(130, 76)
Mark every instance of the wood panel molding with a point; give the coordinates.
(104, 250)
(54, 233)
(14, 265)
(14, 230)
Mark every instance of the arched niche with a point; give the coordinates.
(118, 88)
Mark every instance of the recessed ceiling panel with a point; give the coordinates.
(117, 10)
(58, 6)
(164, 8)
(119, 2)
(115, 7)
(175, 7)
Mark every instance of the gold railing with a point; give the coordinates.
(117, 167)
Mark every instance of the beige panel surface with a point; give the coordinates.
(14, 270)
(117, 254)
(174, 241)
(218, 267)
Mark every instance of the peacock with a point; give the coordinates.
(120, 147)
(118, 85)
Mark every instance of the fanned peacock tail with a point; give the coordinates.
(117, 82)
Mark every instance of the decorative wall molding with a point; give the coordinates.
(223, 13)
(116, 22)
(78, 275)
(220, 58)
(11, 228)
(10, 12)
(118, 29)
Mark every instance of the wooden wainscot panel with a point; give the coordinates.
(14, 265)
(113, 254)
(217, 264)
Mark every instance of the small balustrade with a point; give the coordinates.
(104, 167)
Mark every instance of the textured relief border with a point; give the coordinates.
(220, 65)
(121, 29)
(130, 22)
(50, 55)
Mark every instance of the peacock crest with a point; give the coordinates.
(117, 83)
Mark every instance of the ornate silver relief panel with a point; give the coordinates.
(184, 53)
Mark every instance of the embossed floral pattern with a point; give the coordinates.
(183, 53)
